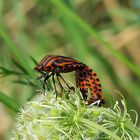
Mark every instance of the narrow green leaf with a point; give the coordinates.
(6, 72)
(14, 50)
(20, 66)
(9, 102)
(33, 59)
(27, 83)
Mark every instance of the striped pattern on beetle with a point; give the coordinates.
(86, 79)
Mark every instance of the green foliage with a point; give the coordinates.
(20, 72)
(9, 102)
(72, 28)
(45, 118)
(14, 50)
(87, 28)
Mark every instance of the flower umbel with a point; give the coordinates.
(45, 118)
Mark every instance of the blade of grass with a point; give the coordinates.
(34, 60)
(77, 38)
(132, 87)
(7, 72)
(14, 50)
(20, 67)
(26, 83)
(118, 54)
(9, 102)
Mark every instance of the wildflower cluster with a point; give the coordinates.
(45, 118)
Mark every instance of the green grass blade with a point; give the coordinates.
(33, 60)
(9, 102)
(7, 72)
(75, 34)
(26, 83)
(118, 54)
(20, 67)
(14, 50)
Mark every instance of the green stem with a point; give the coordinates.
(101, 128)
(133, 129)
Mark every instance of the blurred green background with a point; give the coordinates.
(104, 34)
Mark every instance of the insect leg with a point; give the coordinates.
(54, 84)
(46, 78)
(60, 84)
(71, 88)
(43, 75)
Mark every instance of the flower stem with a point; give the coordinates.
(101, 128)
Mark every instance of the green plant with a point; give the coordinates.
(9, 102)
(70, 118)
(47, 27)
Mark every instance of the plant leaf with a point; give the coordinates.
(33, 59)
(27, 83)
(20, 67)
(9, 102)
(6, 72)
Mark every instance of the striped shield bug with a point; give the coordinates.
(86, 78)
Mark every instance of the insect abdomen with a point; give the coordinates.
(88, 81)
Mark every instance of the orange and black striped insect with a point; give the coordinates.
(86, 79)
